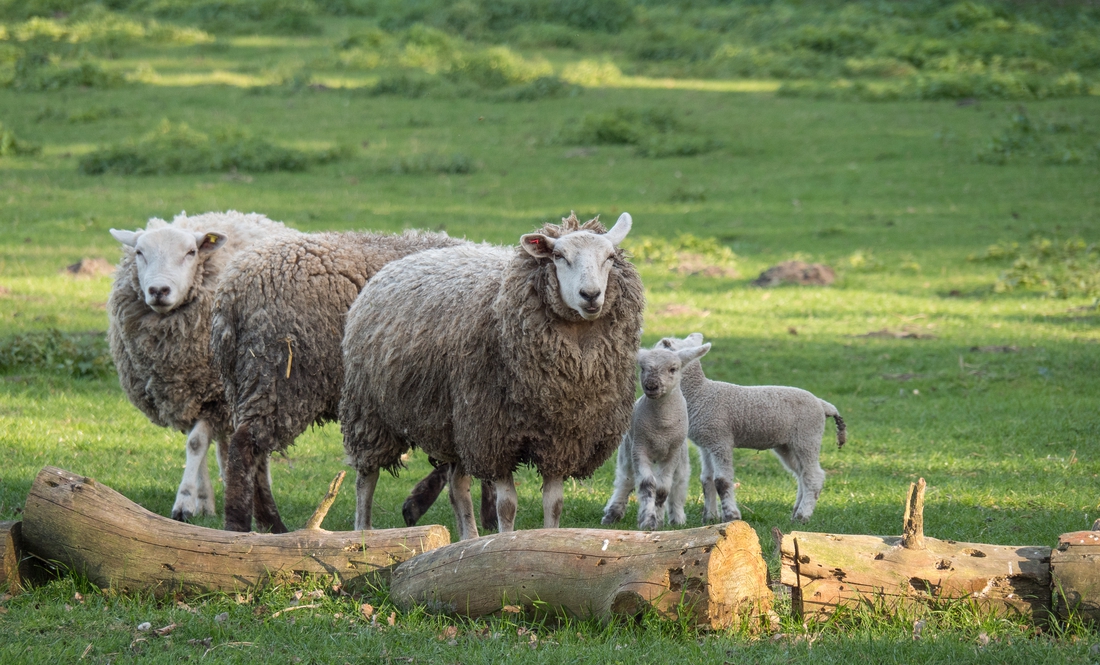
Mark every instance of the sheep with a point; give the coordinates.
(722, 416)
(657, 438)
(491, 357)
(158, 328)
(278, 321)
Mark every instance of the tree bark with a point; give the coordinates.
(708, 576)
(1075, 569)
(88, 527)
(11, 556)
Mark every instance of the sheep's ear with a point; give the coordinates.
(210, 241)
(128, 238)
(621, 228)
(537, 245)
(693, 353)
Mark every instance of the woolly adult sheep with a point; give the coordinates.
(492, 357)
(158, 327)
(723, 416)
(278, 324)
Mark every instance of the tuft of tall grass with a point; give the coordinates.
(654, 132)
(12, 146)
(83, 354)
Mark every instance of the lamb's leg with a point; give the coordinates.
(553, 499)
(804, 463)
(678, 496)
(365, 482)
(239, 480)
(624, 484)
(458, 489)
(507, 501)
(649, 518)
(665, 476)
(722, 465)
(267, 513)
(195, 496)
(706, 478)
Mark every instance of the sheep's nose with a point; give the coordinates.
(590, 294)
(160, 291)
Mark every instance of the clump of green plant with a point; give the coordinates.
(864, 261)
(404, 84)
(12, 146)
(684, 193)
(544, 87)
(79, 116)
(423, 163)
(653, 132)
(176, 148)
(686, 254)
(36, 72)
(72, 354)
(1060, 268)
(288, 17)
(1045, 141)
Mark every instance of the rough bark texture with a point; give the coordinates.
(708, 576)
(91, 528)
(10, 556)
(912, 531)
(833, 571)
(1075, 569)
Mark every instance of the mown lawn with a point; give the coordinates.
(990, 396)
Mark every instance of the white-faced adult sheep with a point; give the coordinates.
(722, 416)
(158, 327)
(278, 323)
(654, 453)
(492, 357)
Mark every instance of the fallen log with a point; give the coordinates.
(86, 526)
(11, 556)
(1075, 571)
(829, 571)
(707, 576)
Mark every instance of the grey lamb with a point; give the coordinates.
(492, 357)
(723, 416)
(278, 323)
(657, 438)
(158, 327)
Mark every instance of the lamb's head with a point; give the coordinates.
(662, 367)
(675, 344)
(168, 260)
(582, 261)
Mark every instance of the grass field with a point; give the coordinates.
(989, 392)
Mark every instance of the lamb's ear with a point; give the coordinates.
(640, 356)
(210, 241)
(695, 339)
(621, 228)
(537, 245)
(128, 238)
(664, 343)
(693, 353)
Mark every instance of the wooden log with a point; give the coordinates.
(87, 526)
(1075, 572)
(912, 529)
(708, 576)
(11, 556)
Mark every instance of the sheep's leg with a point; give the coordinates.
(722, 465)
(267, 513)
(488, 506)
(507, 501)
(804, 464)
(458, 489)
(239, 480)
(710, 496)
(365, 482)
(678, 496)
(624, 484)
(424, 494)
(553, 499)
(221, 455)
(195, 495)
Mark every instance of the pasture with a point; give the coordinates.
(960, 341)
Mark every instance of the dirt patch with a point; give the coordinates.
(697, 264)
(87, 268)
(796, 272)
(4, 291)
(897, 334)
(995, 349)
(681, 310)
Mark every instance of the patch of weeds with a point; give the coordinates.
(93, 29)
(404, 84)
(79, 116)
(1050, 141)
(497, 67)
(1060, 268)
(176, 148)
(286, 17)
(687, 254)
(653, 132)
(864, 261)
(688, 194)
(591, 73)
(12, 146)
(36, 73)
(72, 354)
(423, 163)
(676, 145)
(544, 87)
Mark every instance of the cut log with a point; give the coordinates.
(10, 556)
(86, 526)
(707, 576)
(1075, 570)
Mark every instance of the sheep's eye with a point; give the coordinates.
(191, 253)
(671, 370)
(556, 255)
(138, 252)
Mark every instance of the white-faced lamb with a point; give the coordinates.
(722, 416)
(654, 453)
(277, 327)
(158, 327)
(491, 357)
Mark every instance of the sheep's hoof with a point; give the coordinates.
(649, 524)
(611, 517)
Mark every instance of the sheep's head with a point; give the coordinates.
(582, 261)
(694, 339)
(168, 260)
(662, 367)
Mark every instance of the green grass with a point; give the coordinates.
(894, 195)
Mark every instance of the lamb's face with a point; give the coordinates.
(662, 367)
(582, 263)
(167, 261)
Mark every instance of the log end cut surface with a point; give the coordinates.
(1075, 569)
